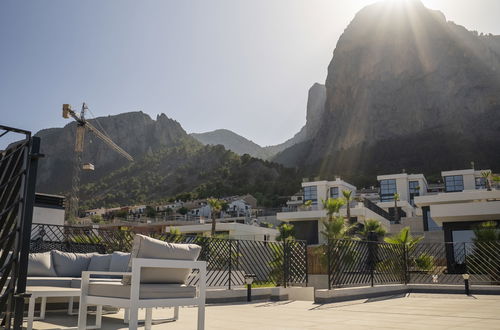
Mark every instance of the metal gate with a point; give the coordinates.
(18, 166)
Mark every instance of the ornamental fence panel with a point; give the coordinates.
(228, 260)
(355, 262)
(18, 165)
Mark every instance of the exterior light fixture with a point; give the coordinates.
(248, 281)
(466, 283)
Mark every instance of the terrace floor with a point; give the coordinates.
(413, 311)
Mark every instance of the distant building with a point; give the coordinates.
(49, 209)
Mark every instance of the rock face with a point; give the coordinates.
(135, 132)
(406, 89)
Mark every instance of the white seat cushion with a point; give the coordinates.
(147, 291)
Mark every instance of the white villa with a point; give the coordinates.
(445, 216)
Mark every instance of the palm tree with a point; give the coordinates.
(404, 238)
(215, 209)
(332, 206)
(347, 198)
(287, 232)
(336, 228)
(487, 176)
(396, 210)
(372, 226)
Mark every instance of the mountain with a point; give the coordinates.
(405, 89)
(233, 142)
(135, 132)
(167, 162)
(240, 145)
(201, 171)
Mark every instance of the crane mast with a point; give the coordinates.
(81, 125)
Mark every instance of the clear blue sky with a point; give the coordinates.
(241, 65)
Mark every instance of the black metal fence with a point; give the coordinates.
(18, 164)
(228, 260)
(353, 263)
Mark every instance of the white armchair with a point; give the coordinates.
(143, 295)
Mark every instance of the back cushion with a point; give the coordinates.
(119, 262)
(147, 247)
(70, 264)
(40, 264)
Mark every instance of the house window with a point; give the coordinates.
(387, 190)
(480, 183)
(334, 192)
(414, 190)
(453, 183)
(311, 194)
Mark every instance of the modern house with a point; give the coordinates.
(465, 203)
(438, 212)
(307, 219)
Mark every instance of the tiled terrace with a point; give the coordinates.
(414, 311)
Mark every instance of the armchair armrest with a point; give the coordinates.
(168, 263)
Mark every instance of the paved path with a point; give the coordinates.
(416, 311)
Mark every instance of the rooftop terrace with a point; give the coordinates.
(414, 311)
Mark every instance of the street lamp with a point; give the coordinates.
(249, 280)
(466, 282)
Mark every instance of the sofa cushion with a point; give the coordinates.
(70, 264)
(146, 291)
(147, 247)
(64, 282)
(40, 264)
(100, 262)
(119, 262)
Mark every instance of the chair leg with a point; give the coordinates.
(98, 317)
(43, 308)
(201, 316)
(176, 313)
(133, 319)
(126, 315)
(31, 313)
(82, 314)
(149, 319)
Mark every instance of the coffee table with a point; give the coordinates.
(45, 292)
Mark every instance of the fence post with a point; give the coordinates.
(230, 262)
(307, 263)
(328, 247)
(405, 264)
(285, 258)
(465, 257)
(372, 237)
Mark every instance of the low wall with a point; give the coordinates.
(324, 296)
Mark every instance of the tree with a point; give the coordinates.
(287, 232)
(332, 206)
(337, 228)
(150, 211)
(487, 176)
(486, 232)
(215, 209)
(372, 225)
(183, 210)
(307, 205)
(347, 196)
(404, 237)
(396, 210)
(96, 218)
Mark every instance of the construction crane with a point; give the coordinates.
(81, 125)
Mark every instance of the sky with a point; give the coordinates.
(243, 65)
